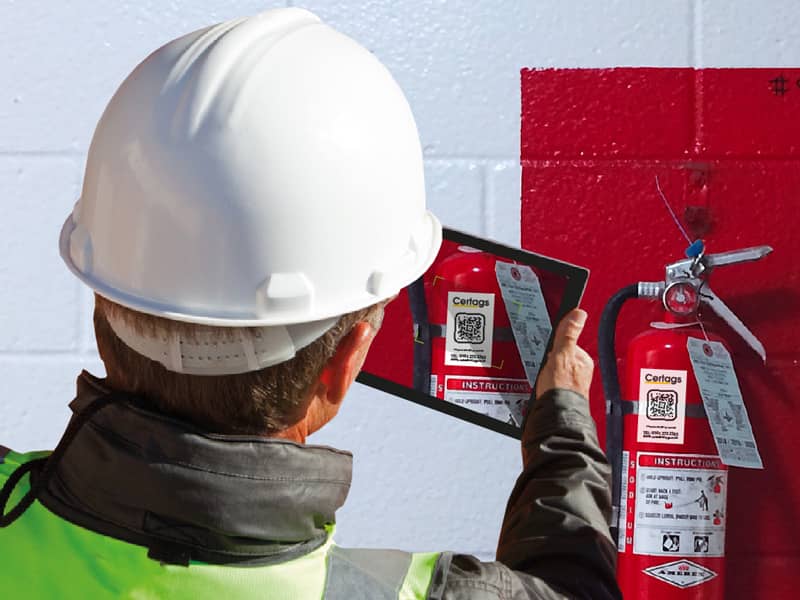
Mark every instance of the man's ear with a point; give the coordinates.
(341, 370)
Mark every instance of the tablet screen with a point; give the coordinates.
(468, 337)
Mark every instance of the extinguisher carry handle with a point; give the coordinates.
(701, 265)
(723, 259)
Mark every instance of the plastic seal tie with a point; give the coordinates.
(249, 351)
(174, 354)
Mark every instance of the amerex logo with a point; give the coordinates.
(681, 573)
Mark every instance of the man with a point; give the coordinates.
(252, 200)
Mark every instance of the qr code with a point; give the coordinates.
(470, 328)
(662, 405)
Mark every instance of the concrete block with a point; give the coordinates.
(63, 61)
(422, 480)
(455, 194)
(749, 113)
(503, 181)
(38, 294)
(747, 34)
(35, 412)
(572, 113)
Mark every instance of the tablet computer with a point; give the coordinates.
(469, 336)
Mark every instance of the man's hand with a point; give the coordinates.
(568, 366)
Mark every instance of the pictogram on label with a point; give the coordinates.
(679, 505)
(500, 398)
(662, 406)
(681, 573)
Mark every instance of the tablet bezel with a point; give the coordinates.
(576, 284)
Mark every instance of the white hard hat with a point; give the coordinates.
(266, 171)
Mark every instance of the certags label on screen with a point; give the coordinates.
(470, 329)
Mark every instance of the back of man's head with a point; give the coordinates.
(262, 402)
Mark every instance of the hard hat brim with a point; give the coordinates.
(428, 245)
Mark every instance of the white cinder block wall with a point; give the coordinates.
(422, 481)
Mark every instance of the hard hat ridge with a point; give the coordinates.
(217, 64)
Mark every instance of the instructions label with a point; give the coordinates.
(723, 402)
(662, 406)
(470, 329)
(502, 399)
(527, 311)
(680, 505)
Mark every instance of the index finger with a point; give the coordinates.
(569, 329)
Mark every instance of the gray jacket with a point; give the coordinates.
(252, 501)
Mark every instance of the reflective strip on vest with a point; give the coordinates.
(347, 577)
(45, 556)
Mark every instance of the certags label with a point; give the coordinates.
(470, 329)
(662, 406)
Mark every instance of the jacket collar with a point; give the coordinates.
(159, 482)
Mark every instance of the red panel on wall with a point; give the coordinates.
(748, 113)
(723, 144)
(568, 112)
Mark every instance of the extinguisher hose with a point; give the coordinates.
(611, 389)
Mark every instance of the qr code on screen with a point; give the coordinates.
(470, 328)
(662, 405)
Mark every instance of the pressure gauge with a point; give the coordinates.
(681, 298)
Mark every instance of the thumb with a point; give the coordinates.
(569, 329)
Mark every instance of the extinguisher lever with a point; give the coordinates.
(700, 265)
(707, 296)
(736, 256)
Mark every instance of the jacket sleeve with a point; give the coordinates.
(555, 541)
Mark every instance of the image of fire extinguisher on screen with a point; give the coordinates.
(482, 328)
(675, 422)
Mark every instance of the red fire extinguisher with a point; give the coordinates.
(669, 484)
(466, 352)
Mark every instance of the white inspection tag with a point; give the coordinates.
(662, 406)
(527, 311)
(723, 402)
(470, 329)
